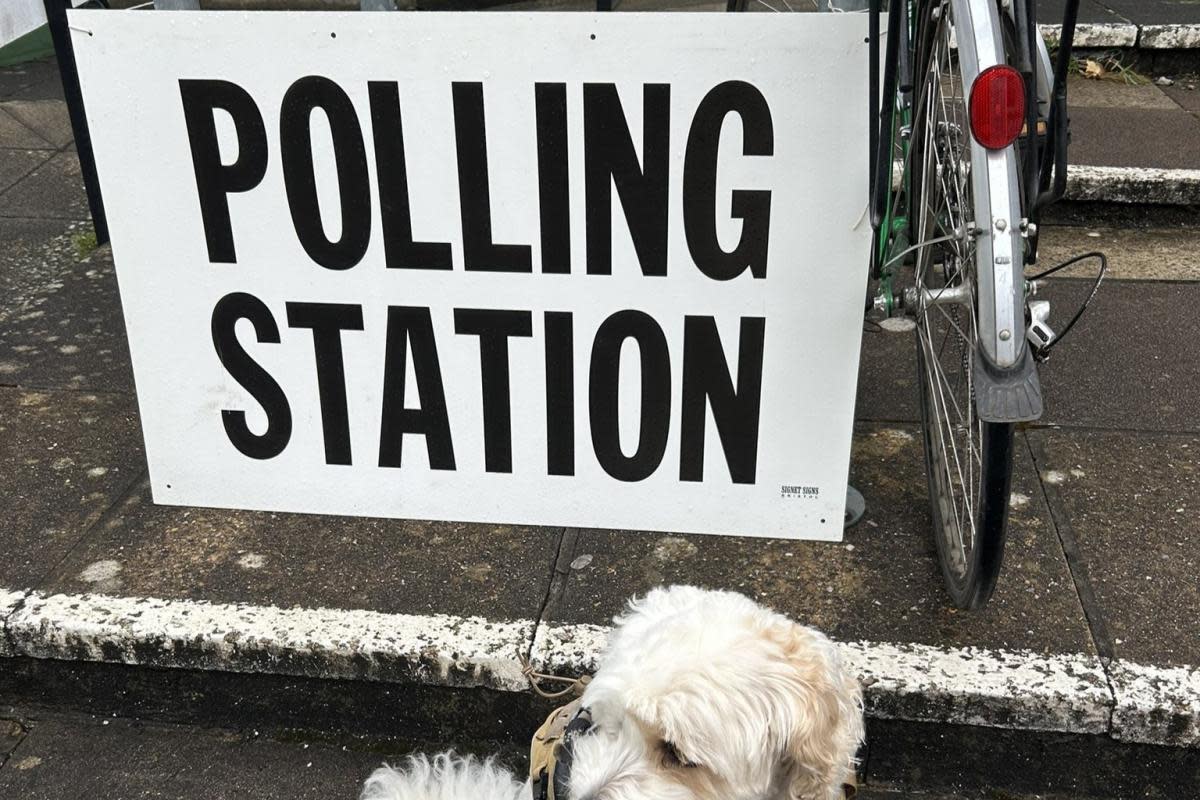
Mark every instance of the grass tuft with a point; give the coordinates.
(85, 243)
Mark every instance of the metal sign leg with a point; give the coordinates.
(856, 506)
(56, 16)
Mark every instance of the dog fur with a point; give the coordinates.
(700, 695)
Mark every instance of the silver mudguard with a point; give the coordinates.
(999, 262)
(1005, 375)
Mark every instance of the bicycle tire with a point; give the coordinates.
(968, 485)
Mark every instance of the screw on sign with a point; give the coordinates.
(610, 160)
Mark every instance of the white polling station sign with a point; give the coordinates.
(595, 270)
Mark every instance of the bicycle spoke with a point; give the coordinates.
(941, 375)
(946, 335)
(966, 458)
(950, 457)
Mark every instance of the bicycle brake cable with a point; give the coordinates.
(1042, 353)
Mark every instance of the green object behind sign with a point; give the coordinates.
(33, 45)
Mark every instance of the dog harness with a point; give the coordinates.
(551, 752)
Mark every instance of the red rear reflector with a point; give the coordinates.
(997, 106)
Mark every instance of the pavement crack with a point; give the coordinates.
(108, 513)
(50, 146)
(560, 571)
(1131, 430)
(1086, 595)
(12, 752)
(26, 387)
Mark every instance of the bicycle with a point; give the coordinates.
(969, 148)
(981, 121)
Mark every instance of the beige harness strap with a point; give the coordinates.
(541, 749)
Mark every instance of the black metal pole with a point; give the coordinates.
(873, 89)
(887, 116)
(1025, 26)
(1054, 188)
(56, 16)
(876, 7)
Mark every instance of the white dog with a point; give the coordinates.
(700, 695)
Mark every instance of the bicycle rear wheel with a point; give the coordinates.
(968, 461)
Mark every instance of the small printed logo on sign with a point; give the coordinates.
(799, 492)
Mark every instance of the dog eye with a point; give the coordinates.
(672, 758)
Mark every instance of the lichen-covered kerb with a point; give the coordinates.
(1156, 705)
(321, 643)
(253, 655)
(9, 603)
(1007, 689)
(1042, 712)
(1179, 727)
(1096, 34)
(1126, 34)
(1169, 37)
(1134, 185)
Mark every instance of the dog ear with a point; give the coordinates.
(827, 715)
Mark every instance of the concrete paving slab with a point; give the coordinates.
(1163, 254)
(1186, 93)
(1130, 363)
(1132, 502)
(16, 134)
(53, 191)
(66, 457)
(1156, 12)
(881, 584)
(1085, 93)
(16, 164)
(47, 117)
(70, 333)
(103, 759)
(887, 378)
(33, 80)
(1090, 11)
(36, 253)
(1135, 137)
(388, 566)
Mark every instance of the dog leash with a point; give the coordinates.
(575, 685)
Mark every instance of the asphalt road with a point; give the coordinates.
(51, 756)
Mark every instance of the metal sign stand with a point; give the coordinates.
(56, 17)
